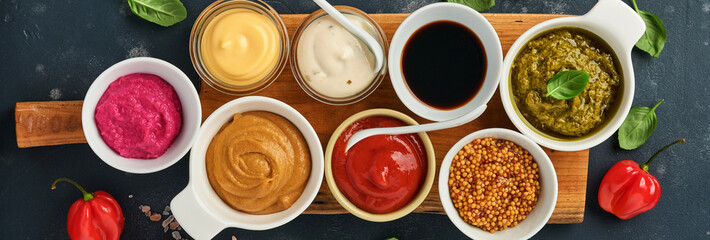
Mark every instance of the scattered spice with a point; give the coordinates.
(174, 225)
(494, 184)
(168, 220)
(166, 211)
(168, 224)
(155, 217)
(130, 196)
(176, 235)
(144, 208)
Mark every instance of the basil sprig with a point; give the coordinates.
(655, 36)
(638, 127)
(567, 84)
(162, 12)
(478, 5)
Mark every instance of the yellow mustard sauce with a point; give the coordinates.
(240, 47)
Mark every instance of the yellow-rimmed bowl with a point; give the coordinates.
(418, 198)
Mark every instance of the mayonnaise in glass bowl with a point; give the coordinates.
(330, 64)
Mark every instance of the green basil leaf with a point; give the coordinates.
(654, 39)
(478, 5)
(162, 12)
(567, 84)
(638, 127)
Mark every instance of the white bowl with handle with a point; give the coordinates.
(198, 208)
(614, 22)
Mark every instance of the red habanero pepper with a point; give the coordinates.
(96, 216)
(628, 189)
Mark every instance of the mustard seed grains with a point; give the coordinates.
(494, 184)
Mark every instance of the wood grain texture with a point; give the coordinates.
(48, 123)
(571, 167)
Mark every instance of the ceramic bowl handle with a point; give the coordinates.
(620, 20)
(193, 217)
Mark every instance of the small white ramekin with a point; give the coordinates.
(617, 24)
(202, 213)
(545, 203)
(445, 12)
(191, 114)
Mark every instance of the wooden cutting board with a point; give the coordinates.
(54, 123)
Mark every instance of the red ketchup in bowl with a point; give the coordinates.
(382, 173)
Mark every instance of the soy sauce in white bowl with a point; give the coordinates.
(444, 64)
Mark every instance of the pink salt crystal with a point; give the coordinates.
(176, 235)
(155, 217)
(174, 225)
(168, 220)
(166, 211)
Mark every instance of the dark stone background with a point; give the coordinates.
(52, 50)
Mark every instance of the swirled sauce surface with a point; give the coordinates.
(258, 163)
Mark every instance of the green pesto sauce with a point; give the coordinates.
(555, 51)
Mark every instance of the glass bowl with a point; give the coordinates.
(198, 31)
(379, 36)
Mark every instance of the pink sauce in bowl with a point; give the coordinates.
(139, 116)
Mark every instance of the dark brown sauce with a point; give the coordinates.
(444, 64)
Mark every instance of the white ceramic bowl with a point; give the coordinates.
(545, 203)
(617, 24)
(452, 12)
(202, 213)
(191, 114)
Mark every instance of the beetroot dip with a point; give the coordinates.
(139, 116)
